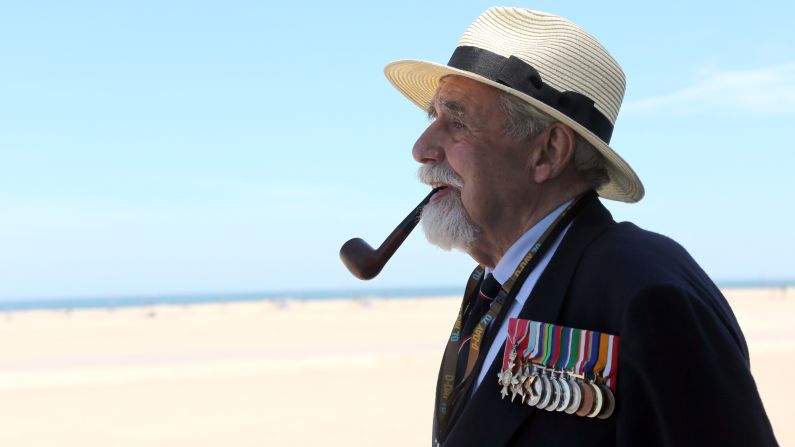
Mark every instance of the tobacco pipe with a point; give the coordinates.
(364, 261)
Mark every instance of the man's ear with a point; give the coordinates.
(552, 150)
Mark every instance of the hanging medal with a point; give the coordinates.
(523, 372)
(606, 345)
(526, 377)
(576, 393)
(546, 396)
(556, 385)
(511, 376)
(565, 397)
(588, 397)
(550, 347)
(536, 390)
(590, 374)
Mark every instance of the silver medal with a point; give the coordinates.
(538, 389)
(576, 397)
(553, 405)
(504, 379)
(546, 395)
(565, 396)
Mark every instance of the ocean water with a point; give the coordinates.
(179, 299)
(397, 293)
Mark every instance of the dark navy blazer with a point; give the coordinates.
(683, 372)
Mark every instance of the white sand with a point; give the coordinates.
(279, 374)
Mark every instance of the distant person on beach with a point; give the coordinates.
(574, 330)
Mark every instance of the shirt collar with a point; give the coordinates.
(511, 259)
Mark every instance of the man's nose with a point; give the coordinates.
(429, 148)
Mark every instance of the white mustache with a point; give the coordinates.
(436, 174)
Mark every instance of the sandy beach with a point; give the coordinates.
(289, 373)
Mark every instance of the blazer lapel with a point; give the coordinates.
(488, 419)
(547, 297)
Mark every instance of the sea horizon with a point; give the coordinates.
(144, 300)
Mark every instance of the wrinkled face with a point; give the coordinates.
(467, 149)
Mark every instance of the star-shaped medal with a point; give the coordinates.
(528, 386)
(505, 378)
(516, 388)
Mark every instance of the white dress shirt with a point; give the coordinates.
(505, 268)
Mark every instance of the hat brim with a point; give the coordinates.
(418, 81)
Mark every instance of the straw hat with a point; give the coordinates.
(545, 60)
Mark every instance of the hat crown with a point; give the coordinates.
(566, 57)
(546, 61)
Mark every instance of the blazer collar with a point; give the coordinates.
(488, 419)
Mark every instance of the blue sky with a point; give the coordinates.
(202, 147)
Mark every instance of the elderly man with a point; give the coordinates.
(519, 140)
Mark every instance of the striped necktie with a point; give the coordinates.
(489, 289)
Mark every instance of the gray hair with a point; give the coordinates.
(522, 120)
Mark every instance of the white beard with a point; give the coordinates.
(445, 221)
